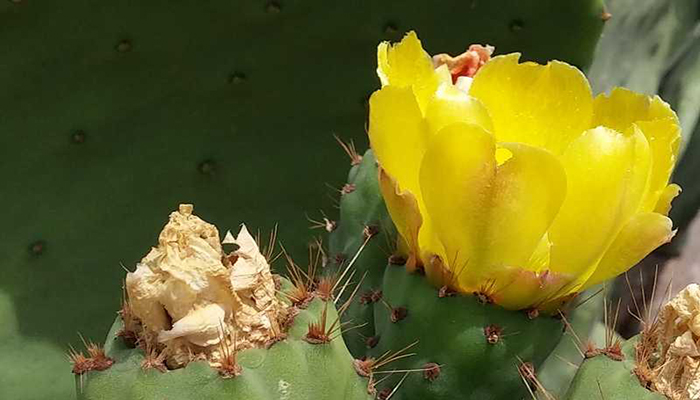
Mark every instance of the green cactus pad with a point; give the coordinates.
(559, 369)
(291, 369)
(479, 348)
(601, 377)
(363, 218)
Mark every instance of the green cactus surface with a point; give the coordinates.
(558, 370)
(292, 369)
(481, 351)
(365, 236)
(602, 377)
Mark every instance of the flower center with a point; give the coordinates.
(465, 64)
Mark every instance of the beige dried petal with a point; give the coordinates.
(228, 238)
(144, 288)
(689, 378)
(694, 325)
(694, 387)
(250, 264)
(677, 368)
(687, 303)
(184, 282)
(684, 345)
(203, 327)
(186, 263)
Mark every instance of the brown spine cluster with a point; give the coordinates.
(96, 359)
(493, 333)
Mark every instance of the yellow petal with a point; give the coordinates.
(529, 189)
(655, 118)
(663, 206)
(486, 215)
(450, 105)
(406, 64)
(517, 289)
(642, 234)
(418, 237)
(664, 139)
(428, 241)
(457, 166)
(623, 107)
(607, 173)
(539, 260)
(404, 211)
(397, 134)
(444, 75)
(540, 105)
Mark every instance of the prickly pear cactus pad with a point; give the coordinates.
(610, 378)
(199, 322)
(511, 180)
(290, 369)
(462, 346)
(365, 237)
(662, 362)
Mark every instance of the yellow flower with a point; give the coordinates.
(519, 185)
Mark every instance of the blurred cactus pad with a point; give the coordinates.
(115, 112)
